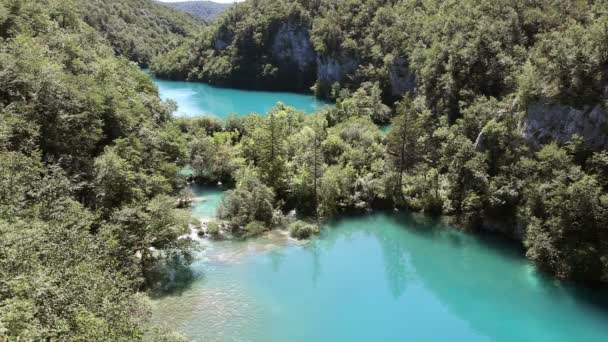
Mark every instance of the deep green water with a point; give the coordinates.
(195, 99)
(382, 277)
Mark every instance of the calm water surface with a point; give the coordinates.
(195, 99)
(382, 277)
(207, 200)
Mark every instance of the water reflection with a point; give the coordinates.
(383, 277)
(172, 278)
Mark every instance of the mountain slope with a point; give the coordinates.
(139, 29)
(79, 131)
(206, 10)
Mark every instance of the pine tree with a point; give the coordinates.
(403, 145)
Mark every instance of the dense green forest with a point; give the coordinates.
(206, 10)
(456, 50)
(475, 70)
(88, 169)
(89, 154)
(140, 29)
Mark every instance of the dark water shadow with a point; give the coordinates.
(593, 298)
(172, 277)
(430, 227)
(440, 230)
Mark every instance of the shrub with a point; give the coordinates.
(255, 228)
(213, 229)
(302, 230)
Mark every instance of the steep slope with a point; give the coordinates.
(139, 29)
(506, 49)
(261, 44)
(206, 10)
(81, 164)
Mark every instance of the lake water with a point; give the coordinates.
(381, 277)
(209, 198)
(195, 99)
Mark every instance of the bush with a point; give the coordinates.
(255, 228)
(213, 229)
(302, 230)
(251, 201)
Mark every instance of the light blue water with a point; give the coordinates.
(381, 277)
(195, 99)
(207, 200)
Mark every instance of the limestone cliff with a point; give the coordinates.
(291, 46)
(335, 69)
(402, 79)
(544, 122)
(294, 54)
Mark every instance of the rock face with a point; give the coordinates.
(293, 54)
(545, 122)
(291, 46)
(401, 78)
(223, 39)
(335, 69)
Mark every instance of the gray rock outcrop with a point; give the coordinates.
(544, 122)
(401, 78)
(335, 69)
(291, 46)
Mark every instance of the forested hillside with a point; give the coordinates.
(206, 10)
(139, 29)
(88, 171)
(449, 51)
(497, 114)
(502, 126)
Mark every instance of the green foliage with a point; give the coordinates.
(89, 154)
(302, 230)
(57, 281)
(567, 211)
(454, 146)
(237, 49)
(139, 29)
(214, 158)
(404, 146)
(457, 50)
(140, 229)
(568, 65)
(307, 165)
(213, 229)
(255, 228)
(207, 10)
(88, 158)
(252, 200)
(365, 101)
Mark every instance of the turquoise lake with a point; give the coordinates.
(381, 277)
(195, 99)
(208, 198)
